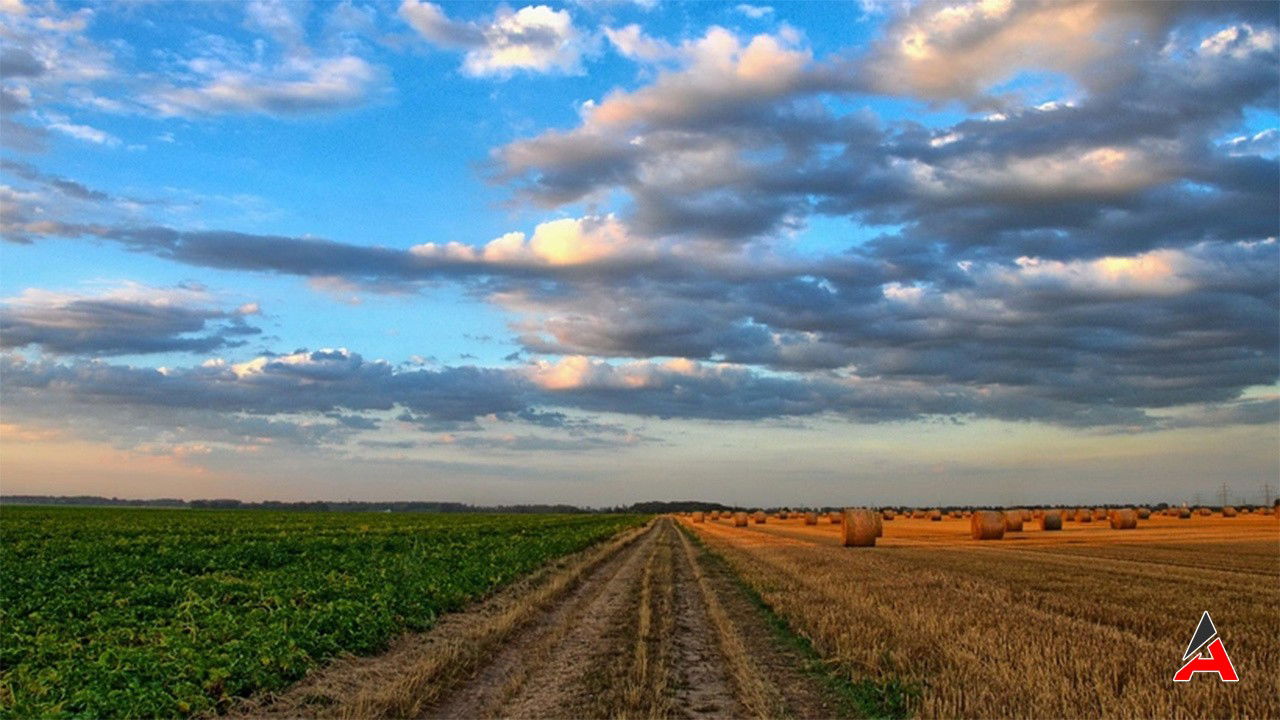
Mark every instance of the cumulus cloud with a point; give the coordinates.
(944, 51)
(1104, 259)
(535, 38)
(568, 241)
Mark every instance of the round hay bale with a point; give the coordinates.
(1100, 514)
(888, 515)
(1026, 516)
(879, 523)
(935, 515)
(1013, 520)
(859, 528)
(917, 514)
(739, 519)
(1051, 520)
(1125, 519)
(783, 515)
(1143, 513)
(811, 518)
(836, 518)
(1184, 513)
(955, 514)
(1204, 512)
(698, 516)
(986, 525)
(760, 517)
(1083, 516)
(1228, 511)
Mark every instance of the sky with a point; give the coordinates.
(600, 252)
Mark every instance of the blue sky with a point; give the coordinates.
(606, 251)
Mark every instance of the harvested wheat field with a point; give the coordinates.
(1085, 621)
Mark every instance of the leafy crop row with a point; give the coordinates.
(161, 613)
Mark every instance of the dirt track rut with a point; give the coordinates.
(654, 631)
(647, 625)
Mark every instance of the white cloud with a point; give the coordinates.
(631, 42)
(84, 133)
(567, 241)
(535, 38)
(755, 12)
(300, 85)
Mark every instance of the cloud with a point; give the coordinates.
(1264, 143)
(131, 320)
(755, 12)
(962, 50)
(564, 242)
(1104, 258)
(18, 62)
(631, 42)
(280, 72)
(534, 38)
(70, 188)
(298, 86)
(292, 393)
(716, 151)
(84, 133)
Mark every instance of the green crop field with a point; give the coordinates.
(142, 613)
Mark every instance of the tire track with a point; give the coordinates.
(653, 633)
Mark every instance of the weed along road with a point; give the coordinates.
(648, 625)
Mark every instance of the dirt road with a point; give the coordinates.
(650, 625)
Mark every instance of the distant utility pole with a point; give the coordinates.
(1266, 493)
(1222, 496)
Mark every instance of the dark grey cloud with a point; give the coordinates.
(18, 135)
(153, 321)
(67, 187)
(16, 62)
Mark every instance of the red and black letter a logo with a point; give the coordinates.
(1214, 658)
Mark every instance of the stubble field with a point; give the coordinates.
(1084, 622)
